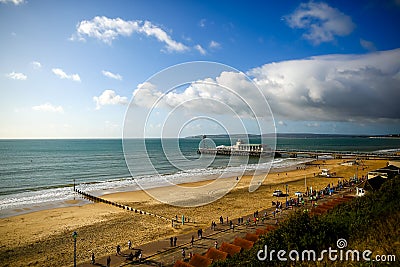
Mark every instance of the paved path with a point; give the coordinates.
(160, 253)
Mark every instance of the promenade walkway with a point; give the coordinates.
(161, 253)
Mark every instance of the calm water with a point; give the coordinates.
(41, 172)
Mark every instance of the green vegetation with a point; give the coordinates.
(367, 223)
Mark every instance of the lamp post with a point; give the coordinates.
(74, 190)
(74, 235)
(286, 195)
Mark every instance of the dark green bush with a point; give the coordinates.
(356, 221)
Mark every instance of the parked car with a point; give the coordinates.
(298, 194)
(277, 193)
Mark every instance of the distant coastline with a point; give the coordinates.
(391, 136)
(294, 135)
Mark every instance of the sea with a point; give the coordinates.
(41, 174)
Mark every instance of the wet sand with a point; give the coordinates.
(44, 238)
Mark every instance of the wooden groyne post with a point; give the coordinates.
(115, 204)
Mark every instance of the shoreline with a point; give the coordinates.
(101, 227)
(74, 200)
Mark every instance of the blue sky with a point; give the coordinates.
(68, 69)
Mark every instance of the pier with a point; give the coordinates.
(239, 149)
(228, 152)
(302, 153)
(335, 154)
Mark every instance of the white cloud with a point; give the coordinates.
(146, 94)
(17, 76)
(282, 123)
(229, 93)
(323, 88)
(15, 2)
(151, 30)
(111, 75)
(370, 46)
(47, 107)
(62, 75)
(321, 22)
(214, 44)
(109, 97)
(107, 30)
(333, 87)
(200, 49)
(36, 64)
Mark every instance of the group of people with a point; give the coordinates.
(184, 254)
(297, 202)
(131, 256)
(172, 241)
(240, 220)
(221, 220)
(93, 260)
(138, 255)
(277, 204)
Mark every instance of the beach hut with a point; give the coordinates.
(230, 249)
(251, 237)
(200, 261)
(215, 254)
(372, 184)
(243, 243)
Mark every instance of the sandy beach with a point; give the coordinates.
(45, 237)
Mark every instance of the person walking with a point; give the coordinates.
(92, 259)
(171, 241)
(192, 240)
(129, 244)
(183, 254)
(108, 261)
(140, 256)
(216, 244)
(118, 250)
(175, 239)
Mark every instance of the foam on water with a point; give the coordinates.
(25, 202)
(49, 198)
(388, 151)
